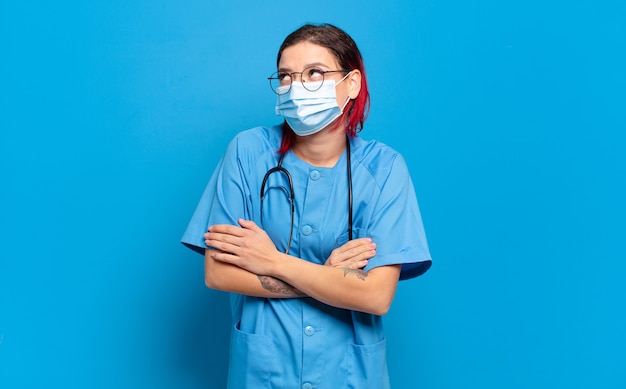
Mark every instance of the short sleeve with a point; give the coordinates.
(397, 226)
(224, 201)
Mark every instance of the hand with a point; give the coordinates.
(248, 246)
(352, 255)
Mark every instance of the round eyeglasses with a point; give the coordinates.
(312, 79)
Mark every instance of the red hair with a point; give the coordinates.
(349, 57)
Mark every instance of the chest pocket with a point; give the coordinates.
(356, 233)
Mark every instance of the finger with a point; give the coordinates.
(219, 240)
(364, 256)
(222, 236)
(367, 255)
(360, 250)
(354, 244)
(224, 257)
(226, 229)
(223, 246)
(249, 224)
(358, 264)
(344, 260)
(331, 261)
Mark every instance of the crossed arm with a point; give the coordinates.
(247, 262)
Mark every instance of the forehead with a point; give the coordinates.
(303, 54)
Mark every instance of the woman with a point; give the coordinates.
(310, 227)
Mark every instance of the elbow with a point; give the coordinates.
(381, 309)
(211, 279)
(379, 306)
(381, 293)
(380, 300)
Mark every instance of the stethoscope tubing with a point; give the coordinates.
(280, 168)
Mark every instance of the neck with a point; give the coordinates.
(322, 149)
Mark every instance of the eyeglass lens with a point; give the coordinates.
(312, 79)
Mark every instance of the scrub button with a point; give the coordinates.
(309, 331)
(315, 175)
(307, 386)
(306, 230)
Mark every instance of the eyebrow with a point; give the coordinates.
(305, 66)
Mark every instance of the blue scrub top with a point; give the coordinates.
(301, 342)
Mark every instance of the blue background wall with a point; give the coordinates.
(511, 116)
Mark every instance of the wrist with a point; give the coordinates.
(281, 263)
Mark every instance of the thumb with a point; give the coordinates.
(249, 224)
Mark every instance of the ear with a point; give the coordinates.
(354, 83)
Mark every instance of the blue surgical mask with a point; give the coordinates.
(309, 112)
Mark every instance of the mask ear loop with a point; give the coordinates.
(344, 104)
(348, 99)
(344, 77)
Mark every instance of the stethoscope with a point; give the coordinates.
(280, 168)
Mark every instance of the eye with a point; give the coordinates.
(284, 78)
(313, 74)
